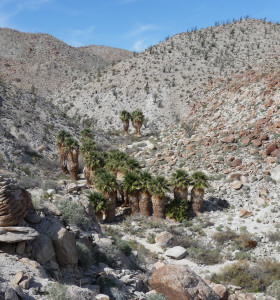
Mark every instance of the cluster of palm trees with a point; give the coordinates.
(116, 173)
(137, 118)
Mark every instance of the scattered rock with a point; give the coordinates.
(237, 185)
(17, 234)
(177, 252)
(164, 239)
(270, 148)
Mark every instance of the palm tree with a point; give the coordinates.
(199, 183)
(93, 161)
(60, 139)
(86, 133)
(71, 148)
(180, 181)
(145, 204)
(137, 121)
(158, 187)
(125, 117)
(88, 145)
(130, 186)
(115, 162)
(99, 204)
(106, 183)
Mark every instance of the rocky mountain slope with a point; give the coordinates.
(42, 63)
(167, 79)
(109, 54)
(28, 126)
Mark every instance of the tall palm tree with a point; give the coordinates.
(106, 183)
(199, 183)
(60, 139)
(115, 162)
(180, 181)
(145, 204)
(125, 117)
(158, 187)
(130, 186)
(88, 144)
(86, 133)
(99, 204)
(137, 121)
(71, 148)
(93, 161)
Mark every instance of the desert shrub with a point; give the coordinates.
(254, 278)
(274, 289)
(245, 241)
(150, 238)
(185, 241)
(205, 254)
(49, 184)
(242, 255)
(222, 237)
(122, 245)
(113, 288)
(28, 182)
(274, 236)
(177, 210)
(156, 297)
(84, 255)
(73, 213)
(57, 291)
(142, 252)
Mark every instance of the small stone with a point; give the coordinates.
(228, 139)
(243, 212)
(177, 252)
(237, 162)
(164, 239)
(237, 185)
(18, 277)
(102, 297)
(221, 291)
(159, 264)
(270, 148)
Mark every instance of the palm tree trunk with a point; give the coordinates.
(158, 206)
(196, 199)
(137, 126)
(125, 127)
(62, 161)
(134, 202)
(125, 199)
(111, 210)
(181, 194)
(145, 204)
(99, 215)
(87, 175)
(73, 164)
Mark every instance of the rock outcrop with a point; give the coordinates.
(178, 282)
(15, 203)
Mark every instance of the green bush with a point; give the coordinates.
(122, 245)
(84, 255)
(254, 278)
(150, 238)
(57, 291)
(73, 213)
(205, 254)
(222, 237)
(274, 289)
(177, 210)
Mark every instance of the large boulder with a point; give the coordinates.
(17, 234)
(179, 282)
(15, 203)
(43, 250)
(63, 242)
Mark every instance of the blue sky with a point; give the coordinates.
(127, 24)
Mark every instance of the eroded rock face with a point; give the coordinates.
(178, 282)
(15, 203)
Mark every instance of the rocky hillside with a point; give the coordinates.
(42, 63)
(28, 126)
(166, 80)
(109, 54)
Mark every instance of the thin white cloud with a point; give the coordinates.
(140, 45)
(80, 37)
(11, 8)
(141, 29)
